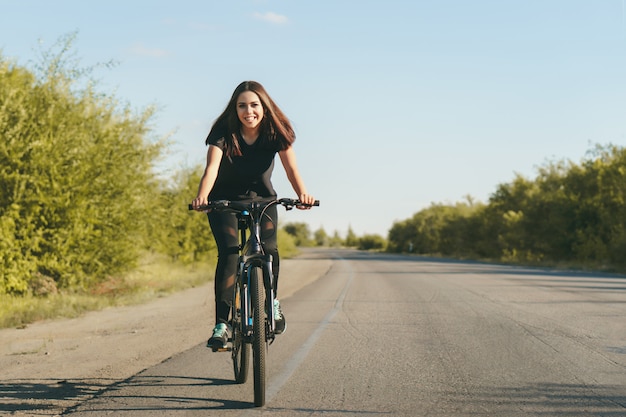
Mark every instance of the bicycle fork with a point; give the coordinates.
(246, 302)
(268, 281)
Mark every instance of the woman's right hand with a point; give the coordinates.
(199, 201)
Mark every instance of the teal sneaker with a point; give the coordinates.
(219, 339)
(279, 318)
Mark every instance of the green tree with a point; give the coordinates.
(77, 178)
(300, 232)
(335, 240)
(401, 236)
(321, 237)
(599, 185)
(351, 240)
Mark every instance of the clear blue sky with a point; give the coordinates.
(397, 104)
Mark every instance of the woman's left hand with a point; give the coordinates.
(306, 199)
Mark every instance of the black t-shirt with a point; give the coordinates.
(246, 176)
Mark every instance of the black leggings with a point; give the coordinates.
(224, 228)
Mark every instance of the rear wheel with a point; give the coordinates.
(240, 348)
(259, 340)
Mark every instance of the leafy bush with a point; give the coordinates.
(182, 234)
(286, 244)
(76, 179)
(368, 242)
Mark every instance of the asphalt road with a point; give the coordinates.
(392, 335)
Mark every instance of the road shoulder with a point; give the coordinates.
(103, 347)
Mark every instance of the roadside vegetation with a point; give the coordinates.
(571, 215)
(85, 220)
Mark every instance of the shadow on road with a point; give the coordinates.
(53, 394)
(149, 394)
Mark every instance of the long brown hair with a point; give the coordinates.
(276, 130)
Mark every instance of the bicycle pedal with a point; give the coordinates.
(224, 349)
(227, 348)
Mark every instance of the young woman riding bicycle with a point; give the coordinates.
(242, 144)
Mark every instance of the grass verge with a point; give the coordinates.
(155, 277)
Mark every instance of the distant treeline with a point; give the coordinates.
(80, 198)
(570, 213)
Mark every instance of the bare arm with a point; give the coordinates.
(288, 158)
(213, 160)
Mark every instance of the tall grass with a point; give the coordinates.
(155, 277)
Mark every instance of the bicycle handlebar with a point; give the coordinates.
(288, 203)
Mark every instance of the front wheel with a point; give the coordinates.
(240, 353)
(259, 340)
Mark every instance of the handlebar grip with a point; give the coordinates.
(300, 203)
(316, 203)
(213, 204)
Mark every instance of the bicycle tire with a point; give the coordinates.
(259, 339)
(240, 352)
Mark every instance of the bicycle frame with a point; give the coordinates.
(252, 256)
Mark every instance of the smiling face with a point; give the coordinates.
(249, 110)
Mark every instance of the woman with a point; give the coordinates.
(243, 142)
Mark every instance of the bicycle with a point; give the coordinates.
(252, 319)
